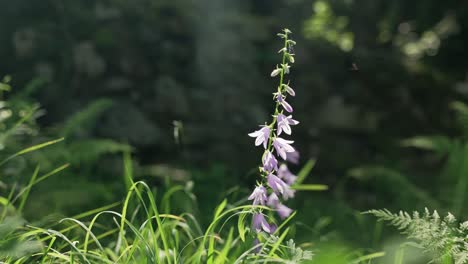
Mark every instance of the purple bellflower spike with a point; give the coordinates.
(282, 146)
(284, 123)
(262, 135)
(273, 200)
(284, 104)
(259, 195)
(286, 175)
(259, 222)
(293, 157)
(283, 211)
(269, 162)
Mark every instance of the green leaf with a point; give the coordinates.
(241, 227)
(310, 187)
(305, 171)
(440, 144)
(369, 257)
(220, 208)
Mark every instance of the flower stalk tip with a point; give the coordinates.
(274, 186)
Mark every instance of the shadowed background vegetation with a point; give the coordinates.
(178, 84)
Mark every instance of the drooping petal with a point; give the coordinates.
(259, 140)
(259, 223)
(259, 195)
(273, 200)
(273, 228)
(255, 133)
(287, 106)
(276, 184)
(293, 157)
(262, 135)
(283, 211)
(275, 72)
(282, 146)
(288, 192)
(286, 175)
(291, 121)
(289, 90)
(270, 163)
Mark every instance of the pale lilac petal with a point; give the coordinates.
(290, 90)
(269, 161)
(275, 72)
(286, 175)
(279, 150)
(273, 228)
(259, 140)
(255, 133)
(293, 157)
(262, 135)
(284, 211)
(259, 195)
(287, 106)
(259, 223)
(292, 121)
(282, 146)
(273, 200)
(287, 129)
(288, 192)
(285, 144)
(266, 136)
(276, 184)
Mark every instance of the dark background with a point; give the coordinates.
(368, 74)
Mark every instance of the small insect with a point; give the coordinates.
(178, 130)
(354, 67)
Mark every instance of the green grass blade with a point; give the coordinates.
(31, 149)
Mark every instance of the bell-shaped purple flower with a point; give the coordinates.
(282, 146)
(262, 135)
(259, 195)
(288, 193)
(284, 104)
(286, 175)
(269, 162)
(289, 90)
(273, 200)
(283, 211)
(284, 123)
(276, 183)
(273, 228)
(293, 157)
(259, 222)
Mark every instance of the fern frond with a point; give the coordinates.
(92, 149)
(441, 236)
(85, 117)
